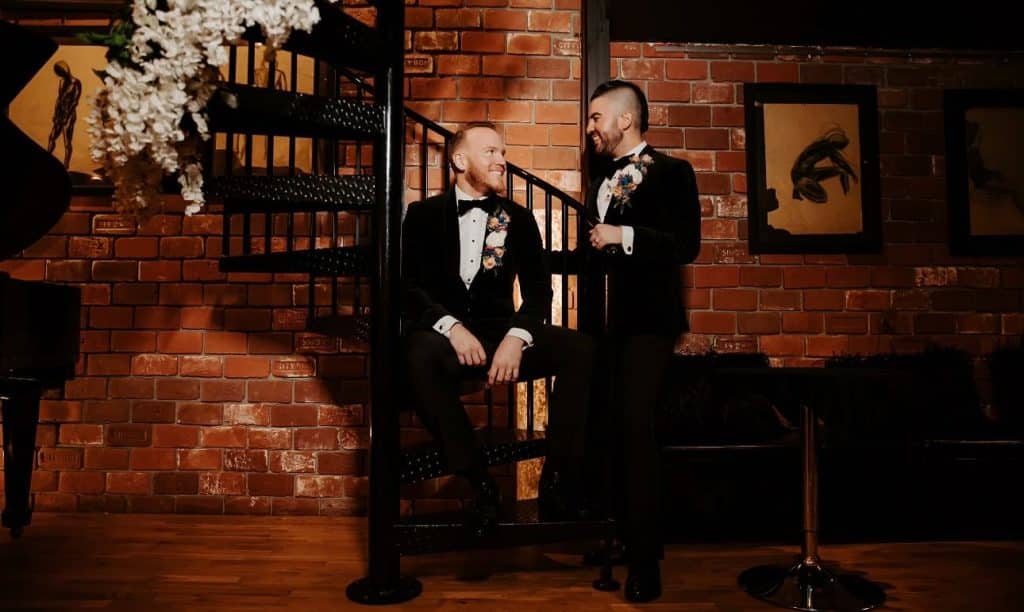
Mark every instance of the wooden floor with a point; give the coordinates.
(147, 562)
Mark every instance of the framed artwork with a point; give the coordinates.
(54, 107)
(985, 171)
(812, 168)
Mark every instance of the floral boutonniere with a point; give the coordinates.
(628, 178)
(494, 241)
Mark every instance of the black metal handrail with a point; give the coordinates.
(555, 192)
(258, 232)
(569, 206)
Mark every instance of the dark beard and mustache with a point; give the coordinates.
(607, 143)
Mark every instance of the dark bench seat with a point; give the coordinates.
(918, 459)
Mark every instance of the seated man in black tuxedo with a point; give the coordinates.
(461, 252)
(647, 218)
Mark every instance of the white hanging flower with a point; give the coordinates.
(136, 121)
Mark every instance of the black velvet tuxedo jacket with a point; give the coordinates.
(432, 284)
(645, 287)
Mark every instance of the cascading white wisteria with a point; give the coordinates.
(137, 123)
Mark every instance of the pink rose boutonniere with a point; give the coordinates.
(628, 178)
(494, 241)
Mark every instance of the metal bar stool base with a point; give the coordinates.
(367, 591)
(810, 587)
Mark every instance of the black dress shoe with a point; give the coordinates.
(483, 518)
(643, 583)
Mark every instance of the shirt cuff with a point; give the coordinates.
(627, 239)
(523, 335)
(444, 325)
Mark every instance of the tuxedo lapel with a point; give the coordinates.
(591, 205)
(450, 239)
(647, 187)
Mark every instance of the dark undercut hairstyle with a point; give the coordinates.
(639, 99)
(461, 135)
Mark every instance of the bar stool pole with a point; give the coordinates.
(809, 551)
(807, 585)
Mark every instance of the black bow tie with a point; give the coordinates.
(616, 165)
(484, 204)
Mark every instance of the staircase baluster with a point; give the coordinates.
(511, 406)
(293, 86)
(424, 165)
(229, 153)
(311, 288)
(315, 145)
(250, 74)
(357, 302)
(246, 229)
(565, 262)
(445, 179)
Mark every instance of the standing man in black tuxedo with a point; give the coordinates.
(646, 218)
(461, 252)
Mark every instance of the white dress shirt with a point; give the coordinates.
(604, 199)
(472, 229)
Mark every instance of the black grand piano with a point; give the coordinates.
(38, 320)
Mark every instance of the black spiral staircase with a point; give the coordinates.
(284, 221)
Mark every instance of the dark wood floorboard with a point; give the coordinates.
(176, 562)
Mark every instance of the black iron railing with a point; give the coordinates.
(308, 209)
(335, 303)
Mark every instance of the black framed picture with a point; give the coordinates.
(985, 171)
(54, 107)
(812, 168)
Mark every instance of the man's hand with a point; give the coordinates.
(505, 365)
(603, 234)
(467, 347)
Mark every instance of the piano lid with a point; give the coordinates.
(35, 189)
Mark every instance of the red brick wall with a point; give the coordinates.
(199, 391)
(196, 391)
(803, 308)
(513, 62)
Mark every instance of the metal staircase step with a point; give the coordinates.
(500, 446)
(313, 193)
(353, 327)
(258, 110)
(519, 525)
(341, 261)
(338, 39)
